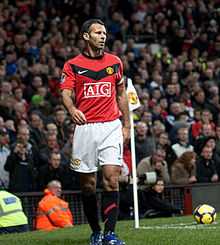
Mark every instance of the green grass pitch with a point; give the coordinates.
(165, 231)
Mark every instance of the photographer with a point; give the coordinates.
(21, 163)
(152, 203)
(150, 198)
(155, 163)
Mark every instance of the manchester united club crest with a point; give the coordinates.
(132, 97)
(75, 163)
(109, 70)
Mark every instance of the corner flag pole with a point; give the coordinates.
(134, 174)
(134, 103)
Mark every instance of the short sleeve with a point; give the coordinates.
(119, 74)
(68, 79)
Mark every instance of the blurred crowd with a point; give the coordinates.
(170, 49)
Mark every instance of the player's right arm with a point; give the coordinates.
(77, 116)
(67, 86)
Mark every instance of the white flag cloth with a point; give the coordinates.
(133, 99)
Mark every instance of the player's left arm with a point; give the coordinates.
(123, 107)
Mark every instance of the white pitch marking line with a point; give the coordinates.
(192, 226)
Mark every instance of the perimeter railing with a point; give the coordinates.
(185, 197)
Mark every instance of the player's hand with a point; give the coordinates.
(126, 134)
(78, 117)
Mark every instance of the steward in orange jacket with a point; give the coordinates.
(53, 212)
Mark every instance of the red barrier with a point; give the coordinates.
(187, 200)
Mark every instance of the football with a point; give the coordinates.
(204, 214)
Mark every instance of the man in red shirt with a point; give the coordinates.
(94, 94)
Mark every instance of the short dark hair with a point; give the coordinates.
(86, 25)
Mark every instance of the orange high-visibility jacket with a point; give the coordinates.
(52, 213)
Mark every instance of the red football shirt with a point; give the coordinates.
(94, 82)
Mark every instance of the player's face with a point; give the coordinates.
(97, 36)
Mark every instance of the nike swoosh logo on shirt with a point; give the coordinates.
(81, 72)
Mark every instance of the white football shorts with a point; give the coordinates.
(97, 144)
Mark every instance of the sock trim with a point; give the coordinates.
(109, 208)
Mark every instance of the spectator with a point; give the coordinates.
(53, 212)
(144, 144)
(158, 128)
(61, 123)
(51, 146)
(10, 127)
(12, 218)
(37, 129)
(54, 170)
(6, 91)
(19, 112)
(206, 131)
(217, 149)
(163, 140)
(154, 163)
(183, 170)
(205, 166)
(51, 128)
(199, 101)
(31, 89)
(18, 95)
(22, 163)
(206, 118)
(182, 121)
(182, 144)
(43, 101)
(4, 152)
(214, 106)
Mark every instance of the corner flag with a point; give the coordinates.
(133, 99)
